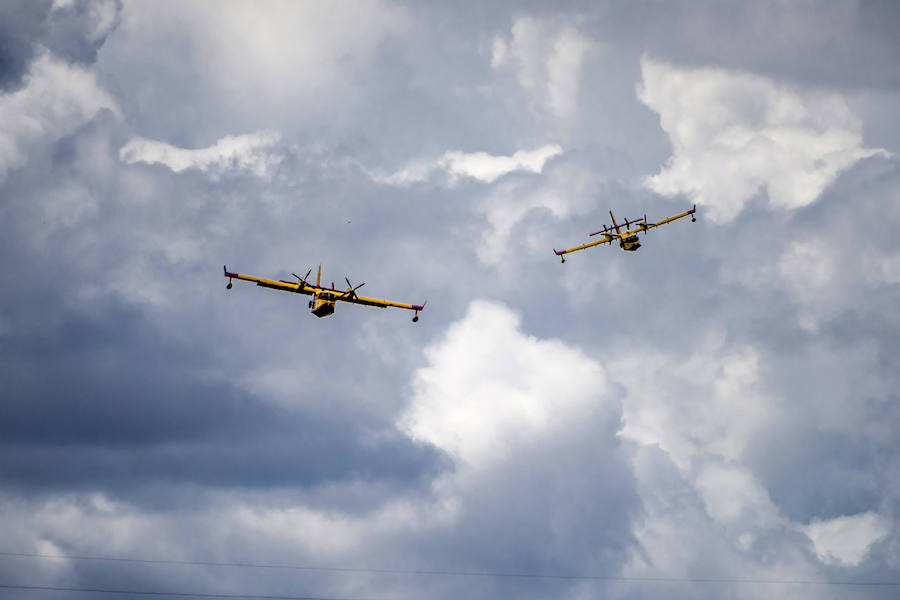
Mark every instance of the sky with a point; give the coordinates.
(712, 416)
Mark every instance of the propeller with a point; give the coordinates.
(302, 280)
(352, 291)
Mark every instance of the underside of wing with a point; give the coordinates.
(606, 240)
(298, 287)
(670, 219)
(285, 286)
(354, 299)
(327, 296)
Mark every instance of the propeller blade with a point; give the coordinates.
(302, 279)
(351, 293)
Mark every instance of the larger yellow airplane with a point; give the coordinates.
(323, 298)
(628, 239)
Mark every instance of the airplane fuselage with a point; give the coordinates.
(630, 243)
(322, 304)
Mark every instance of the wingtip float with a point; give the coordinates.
(324, 298)
(628, 239)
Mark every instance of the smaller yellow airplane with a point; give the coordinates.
(323, 298)
(628, 239)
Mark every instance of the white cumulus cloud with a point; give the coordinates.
(489, 387)
(488, 168)
(250, 152)
(481, 166)
(734, 134)
(547, 60)
(727, 404)
(846, 539)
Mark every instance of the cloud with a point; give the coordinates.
(732, 493)
(249, 152)
(480, 166)
(520, 212)
(77, 30)
(566, 187)
(539, 476)
(659, 413)
(846, 539)
(490, 388)
(293, 58)
(727, 406)
(487, 168)
(104, 16)
(547, 60)
(57, 98)
(735, 134)
(21, 22)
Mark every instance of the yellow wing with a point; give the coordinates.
(645, 226)
(350, 295)
(354, 299)
(308, 289)
(606, 240)
(300, 287)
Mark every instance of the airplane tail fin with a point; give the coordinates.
(319, 276)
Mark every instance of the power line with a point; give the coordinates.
(47, 588)
(495, 574)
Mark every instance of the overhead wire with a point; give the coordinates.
(48, 588)
(451, 573)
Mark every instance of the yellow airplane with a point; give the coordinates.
(628, 239)
(323, 298)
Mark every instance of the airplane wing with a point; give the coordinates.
(608, 238)
(285, 286)
(645, 226)
(355, 299)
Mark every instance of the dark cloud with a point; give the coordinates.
(105, 395)
(73, 31)
(818, 474)
(102, 403)
(78, 30)
(21, 25)
(847, 45)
